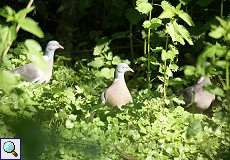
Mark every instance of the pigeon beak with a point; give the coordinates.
(60, 46)
(130, 69)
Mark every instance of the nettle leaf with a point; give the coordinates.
(101, 46)
(141, 1)
(194, 128)
(183, 32)
(31, 26)
(153, 23)
(176, 37)
(189, 70)
(116, 60)
(97, 62)
(169, 10)
(133, 16)
(106, 73)
(185, 16)
(144, 7)
(7, 81)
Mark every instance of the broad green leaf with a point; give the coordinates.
(7, 81)
(23, 12)
(169, 10)
(217, 32)
(182, 31)
(141, 1)
(69, 124)
(176, 37)
(7, 12)
(183, 15)
(97, 62)
(116, 60)
(174, 67)
(31, 26)
(144, 8)
(215, 90)
(153, 23)
(33, 46)
(133, 16)
(194, 128)
(221, 63)
(106, 73)
(101, 46)
(189, 70)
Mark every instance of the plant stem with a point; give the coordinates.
(227, 76)
(131, 40)
(221, 8)
(165, 69)
(17, 29)
(148, 52)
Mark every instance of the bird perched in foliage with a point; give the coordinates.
(33, 73)
(118, 93)
(198, 96)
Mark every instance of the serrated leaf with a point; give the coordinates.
(153, 23)
(116, 60)
(169, 10)
(183, 15)
(182, 31)
(31, 26)
(170, 29)
(102, 46)
(144, 8)
(141, 1)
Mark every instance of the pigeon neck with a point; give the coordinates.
(119, 76)
(49, 53)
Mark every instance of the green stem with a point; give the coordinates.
(227, 76)
(221, 8)
(165, 69)
(148, 53)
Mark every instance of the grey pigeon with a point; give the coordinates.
(118, 94)
(198, 96)
(32, 73)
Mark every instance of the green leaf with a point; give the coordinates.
(102, 46)
(23, 12)
(7, 12)
(215, 90)
(194, 128)
(182, 31)
(7, 81)
(144, 7)
(189, 70)
(216, 32)
(116, 60)
(133, 16)
(170, 29)
(106, 73)
(183, 15)
(33, 46)
(97, 62)
(169, 10)
(69, 124)
(153, 23)
(31, 26)
(221, 63)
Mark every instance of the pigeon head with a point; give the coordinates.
(53, 45)
(123, 67)
(204, 80)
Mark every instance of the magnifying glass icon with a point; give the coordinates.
(9, 147)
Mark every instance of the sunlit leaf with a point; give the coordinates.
(144, 7)
(7, 81)
(31, 26)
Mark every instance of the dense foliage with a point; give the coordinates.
(168, 44)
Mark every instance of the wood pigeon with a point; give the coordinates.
(198, 96)
(32, 73)
(118, 94)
